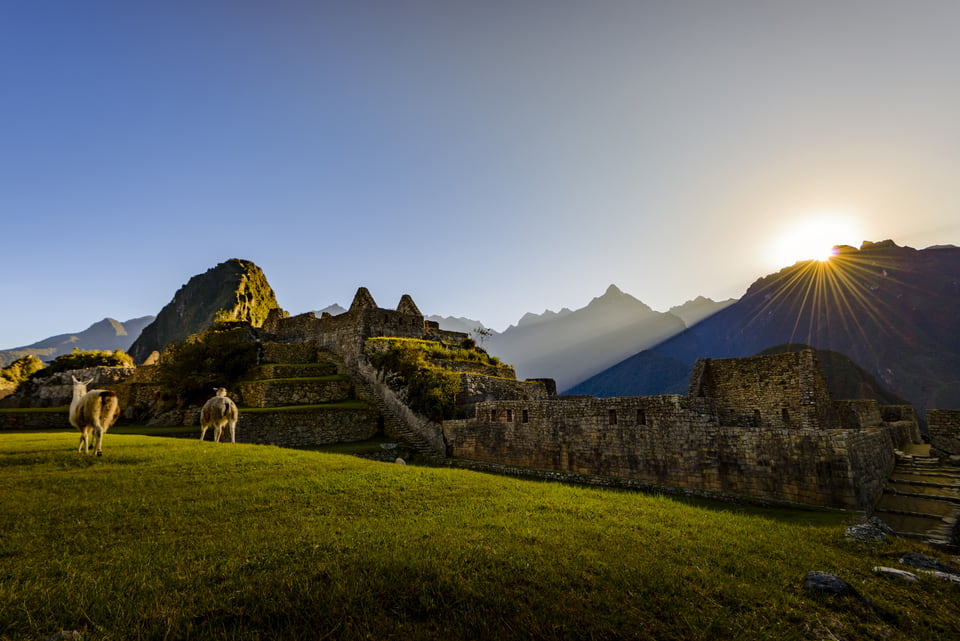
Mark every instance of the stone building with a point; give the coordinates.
(763, 426)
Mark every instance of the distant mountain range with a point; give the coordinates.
(893, 310)
(571, 345)
(108, 334)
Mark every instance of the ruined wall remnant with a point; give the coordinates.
(779, 391)
(944, 426)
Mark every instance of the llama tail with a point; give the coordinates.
(109, 408)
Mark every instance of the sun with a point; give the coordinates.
(813, 238)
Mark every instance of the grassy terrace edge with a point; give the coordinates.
(133, 545)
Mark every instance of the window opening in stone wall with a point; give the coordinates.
(756, 418)
(525, 417)
(613, 417)
(641, 417)
(786, 415)
(509, 415)
(493, 415)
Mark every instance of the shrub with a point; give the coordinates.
(21, 369)
(82, 359)
(430, 390)
(219, 357)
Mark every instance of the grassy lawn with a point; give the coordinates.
(176, 539)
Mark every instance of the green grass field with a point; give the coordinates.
(166, 538)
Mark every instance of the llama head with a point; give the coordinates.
(220, 391)
(79, 387)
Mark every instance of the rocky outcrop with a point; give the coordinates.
(235, 290)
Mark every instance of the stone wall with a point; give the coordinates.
(679, 441)
(858, 413)
(57, 389)
(305, 428)
(12, 419)
(944, 426)
(296, 352)
(296, 391)
(476, 388)
(778, 391)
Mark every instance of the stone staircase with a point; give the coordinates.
(922, 497)
(393, 425)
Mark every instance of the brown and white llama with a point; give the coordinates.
(92, 413)
(219, 411)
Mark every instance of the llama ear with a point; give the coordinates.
(75, 381)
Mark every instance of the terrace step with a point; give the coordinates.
(921, 498)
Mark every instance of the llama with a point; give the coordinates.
(92, 413)
(218, 412)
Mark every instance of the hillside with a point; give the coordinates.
(235, 290)
(891, 309)
(108, 334)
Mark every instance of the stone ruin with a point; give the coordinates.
(763, 426)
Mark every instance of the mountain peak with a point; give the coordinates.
(233, 290)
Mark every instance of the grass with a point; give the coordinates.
(176, 539)
(433, 349)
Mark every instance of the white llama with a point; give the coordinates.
(218, 412)
(93, 413)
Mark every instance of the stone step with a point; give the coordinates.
(921, 505)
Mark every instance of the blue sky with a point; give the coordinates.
(487, 158)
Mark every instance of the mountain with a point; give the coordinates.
(333, 310)
(893, 310)
(694, 311)
(457, 323)
(649, 373)
(570, 346)
(234, 290)
(108, 334)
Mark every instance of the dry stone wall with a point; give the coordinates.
(763, 427)
(944, 426)
(678, 441)
(779, 391)
(294, 391)
(304, 428)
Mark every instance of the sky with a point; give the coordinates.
(488, 158)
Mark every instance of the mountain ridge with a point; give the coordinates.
(106, 334)
(891, 309)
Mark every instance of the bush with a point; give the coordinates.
(430, 390)
(220, 357)
(21, 369)
(83, 359)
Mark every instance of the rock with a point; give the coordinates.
(830, 585)
(66, 635)
(926, 564)
(944, 576)
(400, 461)
(872, 530)
(894, 572)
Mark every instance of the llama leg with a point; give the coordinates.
(217, 431)
(83, 440)
(233, 431)
(203, 431)
(86, 438)
(98, 433)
